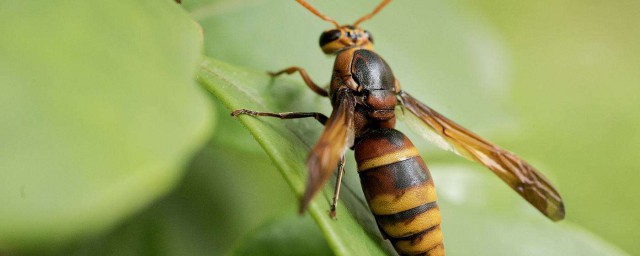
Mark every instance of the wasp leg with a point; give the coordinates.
(284, 115)
(336, 193)
(307, 80)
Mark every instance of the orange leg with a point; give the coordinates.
(307, 80)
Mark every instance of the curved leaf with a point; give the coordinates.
(287, 143)
(98, 113)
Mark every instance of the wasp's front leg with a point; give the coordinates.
(307, 80)
(284, 115)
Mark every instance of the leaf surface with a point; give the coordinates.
(98, 113)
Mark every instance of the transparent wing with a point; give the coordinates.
(336, 138)
(517, 173)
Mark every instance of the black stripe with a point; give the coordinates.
(405, 174)
(409, 173)
(414, 236)
(406, 215)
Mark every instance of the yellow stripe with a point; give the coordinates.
(430, 241)
(389, 158)
(386, 204)
(421, 222)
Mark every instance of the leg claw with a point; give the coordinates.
(332, 213)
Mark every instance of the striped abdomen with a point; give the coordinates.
(400, 192)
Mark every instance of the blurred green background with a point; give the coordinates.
(110, 146)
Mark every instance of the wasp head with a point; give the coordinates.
(334, 40)
(346, 36)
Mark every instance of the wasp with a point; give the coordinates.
(397, 185)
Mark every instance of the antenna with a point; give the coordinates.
(317, 13)
(368, 16)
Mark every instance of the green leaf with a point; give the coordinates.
(286, 236)
(287, 143)
(480, 214)
(98, 113)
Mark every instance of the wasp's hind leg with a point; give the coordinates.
(307, 80)
(284, 115)
(336, 193)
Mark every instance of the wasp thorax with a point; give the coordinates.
(334, 40)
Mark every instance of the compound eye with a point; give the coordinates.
(329, 36)
(366, 33)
